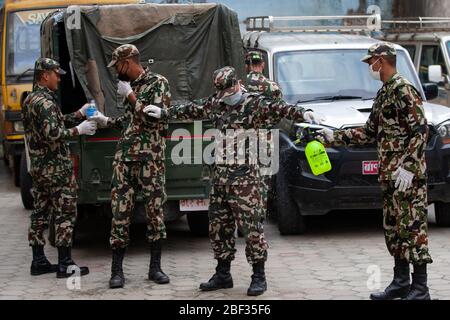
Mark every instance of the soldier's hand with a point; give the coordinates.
(87, 127)
(100, 118)
(124, 89)
(403, 179)
(312, 117)
(327, 134)
(153, 111)
(83, 109)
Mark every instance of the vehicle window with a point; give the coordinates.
(307, 75)
(412, 49)
(23, 46)
(431, 55)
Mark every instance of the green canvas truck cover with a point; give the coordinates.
(186, 42)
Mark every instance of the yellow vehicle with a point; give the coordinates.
(20, 47)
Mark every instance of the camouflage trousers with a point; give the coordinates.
(265, 189)
(53, 196)
(128, 179)
(405, 221)
(241, 205)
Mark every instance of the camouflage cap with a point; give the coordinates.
(253, 56)
(123, 52)
(47, 64)
(224, 79)
(381, 49)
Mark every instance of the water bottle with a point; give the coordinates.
(317, 156)
(91, 110)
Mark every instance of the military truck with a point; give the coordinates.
(316, 62)
(185, 43)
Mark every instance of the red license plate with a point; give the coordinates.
(370, 168)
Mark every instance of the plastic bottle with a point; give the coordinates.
(91, 110)
(317, 156)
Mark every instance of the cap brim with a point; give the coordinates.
(112, 63)
(60, 71)
(366, 58)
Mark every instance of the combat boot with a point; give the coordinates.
(155, 273)
(400, 285)
(117, 278)
(419, 289)
(65, 261)
(259, 284)
(221, 279)
(40, 264)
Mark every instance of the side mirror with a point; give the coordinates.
(435, 73)
(431, 90)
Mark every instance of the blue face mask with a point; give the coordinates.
(234, 99)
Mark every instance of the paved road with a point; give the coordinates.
(329, 262)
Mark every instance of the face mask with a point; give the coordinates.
(234, 99)
(123, 75)
(375, 74)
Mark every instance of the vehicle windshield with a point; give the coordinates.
(448, 48)
(24, 45)
(330, 75)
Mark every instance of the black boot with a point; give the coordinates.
(155, 273)
(117, 278)
(40, 264)
(259, 284)
(419, 289)
(399, 287)
(221, 279)
(65, 261)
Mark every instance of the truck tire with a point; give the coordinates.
(442, 211)
(16, 170)
(198, 223)
(290, 220)
(25, 184)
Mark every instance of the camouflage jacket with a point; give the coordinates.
(398, 126)
(257, 82)
(143, 137)
(46, 134)
(252, 113)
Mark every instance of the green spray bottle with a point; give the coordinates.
(316, 154)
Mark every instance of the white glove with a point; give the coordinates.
(153, 111)
(124, 88)
(328, 134)
(311, 117)
(87, 127)
(403, 178)
(83, 109)
(100, 118)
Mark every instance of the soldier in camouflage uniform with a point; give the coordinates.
(50, 165)
(398, 126)
(235, 195)
(139, 161)
(257, 82)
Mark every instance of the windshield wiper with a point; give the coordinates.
(331, 98)
(23, 73)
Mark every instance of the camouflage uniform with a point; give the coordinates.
(257, 82)
(51, 168)
(139, 160)
(398, 126)
(235, 195)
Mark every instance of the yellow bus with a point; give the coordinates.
(20, 47)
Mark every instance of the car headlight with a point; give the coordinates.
(444, 132)
(18, 126)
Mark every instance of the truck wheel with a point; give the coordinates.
(25, 184)
(442, 211)
(198, 223)
(290, 221)
(16, 170)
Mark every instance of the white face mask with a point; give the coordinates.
(234, 99)
(375, 74)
